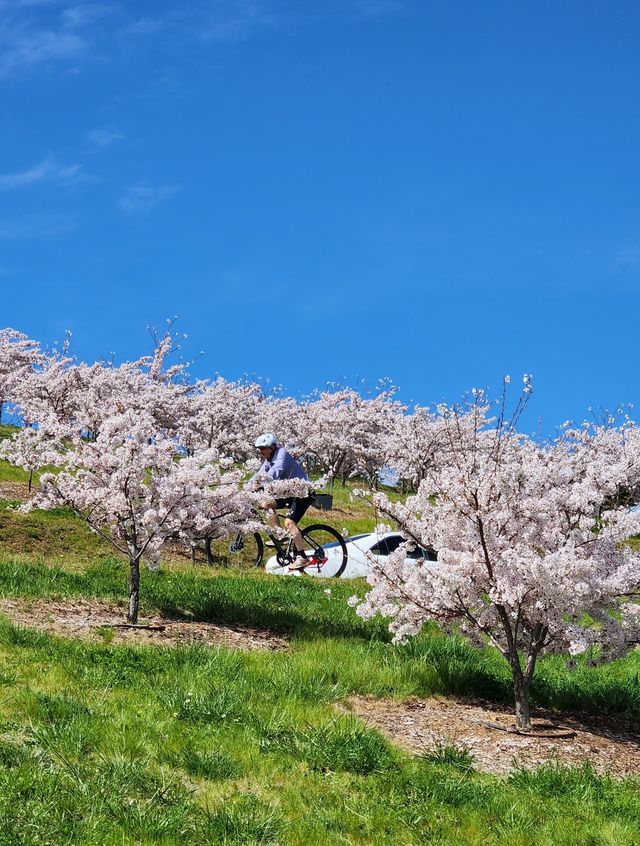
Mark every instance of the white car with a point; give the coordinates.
(359, 548)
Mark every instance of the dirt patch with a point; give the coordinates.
(18, 491)
(422, 726)
(101, 622)
(345, 513)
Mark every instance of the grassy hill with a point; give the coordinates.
(104, 744)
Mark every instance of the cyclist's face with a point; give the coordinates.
(266, 452)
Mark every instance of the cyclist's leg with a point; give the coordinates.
(299, 506)
(269, 506)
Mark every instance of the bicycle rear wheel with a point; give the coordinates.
(326, 550)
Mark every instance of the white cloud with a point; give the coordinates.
(47, 170)
(236, 21)
(225, 20)
(147, 26)
(374, 9)
(141, 198)
(40, 33)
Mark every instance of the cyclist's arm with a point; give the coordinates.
(260, 473)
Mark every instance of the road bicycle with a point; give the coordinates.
(324, 546)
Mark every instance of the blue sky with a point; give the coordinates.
(438, 192)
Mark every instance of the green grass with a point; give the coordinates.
(105, 745)
(356, 655)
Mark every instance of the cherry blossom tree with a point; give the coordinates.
(222, 415)
(31, 449)
(343, 435)
(531, 546)
(18, 355)
(83, 395)
(413, 443)
(129, 487)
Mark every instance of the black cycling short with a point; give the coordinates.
(297, 506)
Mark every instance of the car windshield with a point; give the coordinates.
(388, 545)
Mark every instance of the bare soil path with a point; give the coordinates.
(101, 621)
(422, 726)
(14, 490)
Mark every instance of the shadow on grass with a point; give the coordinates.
(295, 607)
(300, 608)
(465, 671)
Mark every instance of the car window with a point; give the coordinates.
(419, 553)
(387, 545)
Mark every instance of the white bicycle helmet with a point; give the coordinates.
(268, 439)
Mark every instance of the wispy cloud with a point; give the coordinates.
(82, 16)
(22, 4)
(42, 33)
(47, 170)
(225, 20)
(36, 33)
(142, 197)
(37, 226)
(147, 26)
(239, 20)
(105, 136)
(25, 51)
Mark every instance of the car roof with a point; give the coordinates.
(374, 535)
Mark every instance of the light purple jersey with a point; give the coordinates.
(282, 466)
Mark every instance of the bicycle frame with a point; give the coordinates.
(314, 536)
(284, 548)
(285, 553)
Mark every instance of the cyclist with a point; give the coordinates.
(277, 463)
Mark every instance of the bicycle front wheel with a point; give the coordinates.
(259, 549)
(326, 550)
(251, 547)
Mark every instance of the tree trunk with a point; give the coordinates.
(134, 590)
(522, 680)
(208, 550)
(521, 689)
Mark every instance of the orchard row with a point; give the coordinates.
(532, 536)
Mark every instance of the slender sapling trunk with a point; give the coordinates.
(134, 590)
